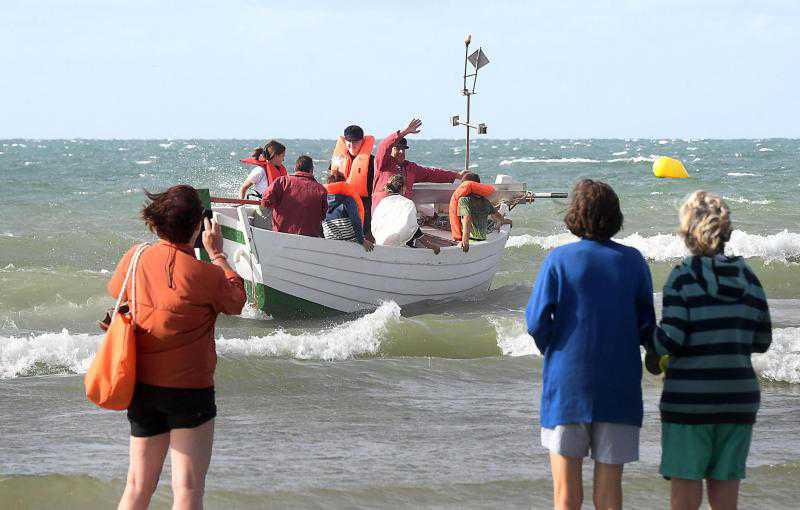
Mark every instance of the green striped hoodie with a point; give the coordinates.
(714, 317)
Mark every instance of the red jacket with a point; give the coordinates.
(386, 166)
(298, 204)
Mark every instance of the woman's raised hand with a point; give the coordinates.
(212, 237)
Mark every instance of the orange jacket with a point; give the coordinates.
(178, 299)
(464, 189)
(272, 171)
(355, 169)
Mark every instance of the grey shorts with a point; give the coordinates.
(610, 443)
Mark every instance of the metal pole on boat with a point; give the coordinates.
(478, 59)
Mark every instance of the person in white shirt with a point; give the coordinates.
(268, 166)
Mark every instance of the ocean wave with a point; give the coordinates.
(635, 159)
(781, 363)
(742, 200)
(765, 149)
(359, 337)
(144, 162)
(513, 338)
(742, 174)
(783, 246)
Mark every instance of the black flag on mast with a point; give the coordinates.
(478, 59)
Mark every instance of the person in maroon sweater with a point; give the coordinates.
(298, 201)
(391, 160)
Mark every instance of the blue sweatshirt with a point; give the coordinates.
(343, 206)
(590, 309)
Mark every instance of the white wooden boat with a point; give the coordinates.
(290, 275)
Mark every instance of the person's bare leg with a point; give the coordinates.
(607, 492)
(685, 494)
(567, 482)
(146, 460)
(190, 454)
(723, 494)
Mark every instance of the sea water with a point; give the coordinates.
(423, 406)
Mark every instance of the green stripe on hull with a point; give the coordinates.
(231, 234)
(285, 306)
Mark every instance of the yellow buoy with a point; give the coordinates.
(669, 167)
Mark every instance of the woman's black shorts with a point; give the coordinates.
(155, 409)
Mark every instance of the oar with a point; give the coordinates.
(239, 201)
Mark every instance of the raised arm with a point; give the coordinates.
(385, 147)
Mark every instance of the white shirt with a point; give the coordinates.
(259, 179)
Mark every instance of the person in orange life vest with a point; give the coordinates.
(390, 160)
(345, 215)
(298, 201)
(474, 212)
(268, 166)
(355, 144)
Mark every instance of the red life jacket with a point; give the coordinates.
(466, 188)
(355, 169)
(343, 188)
(272, 171)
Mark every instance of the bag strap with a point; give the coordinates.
(131, 270)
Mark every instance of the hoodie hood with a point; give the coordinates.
(720, 277)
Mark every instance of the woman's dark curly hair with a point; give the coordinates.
(594, 212)
(174, 214)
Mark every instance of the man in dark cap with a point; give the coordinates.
(391, 160)
(353, 158)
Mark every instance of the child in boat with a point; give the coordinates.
(343, 220)
(385, 219)
(714, 316)
(475, 211)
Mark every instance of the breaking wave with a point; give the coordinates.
(783, 246)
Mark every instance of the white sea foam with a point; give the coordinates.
(166, 145)
(620, 153)
(635, 159)
(513, 338)
(782, 361)
(65, 352)
(144, 162)
(122, 149)
(743, 174)
(765, 149)
(781, 247)
(354, 338)
(189, 146)
(742, 200)
(663, 142)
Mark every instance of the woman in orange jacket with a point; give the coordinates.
(178, 298)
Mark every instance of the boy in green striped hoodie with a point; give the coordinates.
(714, 317)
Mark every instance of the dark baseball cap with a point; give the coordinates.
(353, 133)
(401, 143)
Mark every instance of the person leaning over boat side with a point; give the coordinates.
(390, 160)
(298, 201)
(385, 216)
(343, 219)
(715, 315)
(178, 299)
(352, 157)
(590, 309)
(268, 161)
(474, 211)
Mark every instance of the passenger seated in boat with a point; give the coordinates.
(268, 166)
(298, 201)
(394, 222)
(475, 212)
(345, 215)
(352, 157)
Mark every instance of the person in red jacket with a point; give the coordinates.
(391, 160)
(298, 201)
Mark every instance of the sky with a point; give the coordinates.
(264, 69)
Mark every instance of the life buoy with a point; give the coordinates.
(669, 167)
(466, 188)
(342, 188)
(272, 171)
(355, 169)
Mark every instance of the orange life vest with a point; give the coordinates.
(466, 188)
(355, 169)
(272, 171)
(342, 188)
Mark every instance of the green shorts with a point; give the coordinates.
(695, 452)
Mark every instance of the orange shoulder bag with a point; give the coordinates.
(111, 378)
